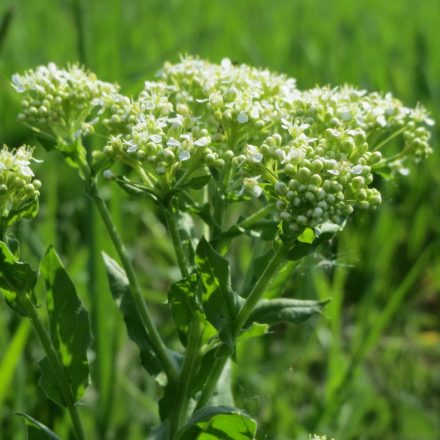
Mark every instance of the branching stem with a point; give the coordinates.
(55, 363)
(157, 342)
(223, 351)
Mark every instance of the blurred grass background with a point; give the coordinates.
(369, 369)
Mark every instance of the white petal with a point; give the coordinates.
(184, 155)
(202, 142)
(357, 169)
(242, 118)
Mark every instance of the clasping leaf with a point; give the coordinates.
(69, 330)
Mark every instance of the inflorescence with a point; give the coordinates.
(313, 153)
(19, 190)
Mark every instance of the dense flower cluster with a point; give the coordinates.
(312, 153)
(64, 103)
(19, 190)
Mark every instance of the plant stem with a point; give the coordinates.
(177, 242)
(55, 363)
(157, 342)
(223, 351)
(260, 214)
(180, 408)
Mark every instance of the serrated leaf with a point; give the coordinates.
(220, 302)
(120, 289)
(292, 311)
(15, 277)
(35, 430)
(219, 422)
(68, 323)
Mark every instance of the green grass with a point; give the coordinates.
(368, 369)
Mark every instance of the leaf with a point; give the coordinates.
(185, 226)
(309, 240)
(160, 432)
(197, 182)
(136, 189)
(68, 323)
(182, 298)
(220, 422)
(48, 383)
(15, 277)
(120, 289)
(26, 210)
(255, 330)
(220, 302)
(36, 430)
(11, 356)
(292, 311)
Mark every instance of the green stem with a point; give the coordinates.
(177, 242)
(223, 351)
(388, 139)
(260, 214)
(159, 346)
(55, 363)
(258, 289)
(188, 370)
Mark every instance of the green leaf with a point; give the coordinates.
(182, 298)
(221, 423)
(292, 311)
(160, 432)
(186, 229)
(15, 277)
(10, 359)
(26, 210)
(120, 289)
(255, 330)
(68, 323)
(36, 430)
(220, 302)
(136, 189)
(308, 236)
(48, 383)
(197, 182)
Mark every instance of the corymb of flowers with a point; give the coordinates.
(311, 154)
(19, 190)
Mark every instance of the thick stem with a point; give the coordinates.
(157, 342)
(188, 370)
(223, 351)
(55, 363)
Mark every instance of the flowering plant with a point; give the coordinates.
(223, 151)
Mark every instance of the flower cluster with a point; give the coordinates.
(320, 164)
(63, 103)
(312, 153)
(19, 190)
(239, 101)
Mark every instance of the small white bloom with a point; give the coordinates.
(202, 142)
(184, 155)
(242, 118)
(173, 142)
(357, 169)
